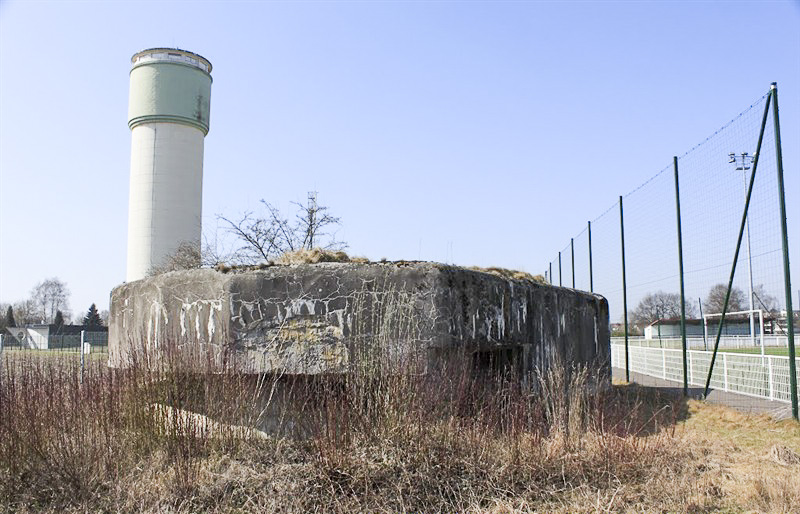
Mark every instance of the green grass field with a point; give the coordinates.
(67, 354)
(769, 350)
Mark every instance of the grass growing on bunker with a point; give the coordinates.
(175, 438)
(321, 255)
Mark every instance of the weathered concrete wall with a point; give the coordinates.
(317, 318)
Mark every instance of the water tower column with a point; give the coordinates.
(168, 113)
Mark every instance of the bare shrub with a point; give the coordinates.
(271, 234)
(182, 435)
(186, 256)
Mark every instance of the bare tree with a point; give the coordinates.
(189, 256)
(660, 305)
(6, 316)
(25, 312)
(716, 300)
(270, 235)
(186, 256)
(214, 252)
(49, 297)
(763, 300)
(260, 238)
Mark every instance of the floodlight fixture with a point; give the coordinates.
(742, 160)
(742, 163)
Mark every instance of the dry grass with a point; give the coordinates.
(318, 255)
(170, 441)
(749, 461)
(510, 274)
(302, 256)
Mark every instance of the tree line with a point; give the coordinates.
(661, 305)
(48, 303)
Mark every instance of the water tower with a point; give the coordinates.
(168, 114)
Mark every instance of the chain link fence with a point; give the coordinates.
(39, 340)
(675, 237)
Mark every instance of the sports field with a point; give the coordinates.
(769, 350)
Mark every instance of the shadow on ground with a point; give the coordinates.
(740, 402)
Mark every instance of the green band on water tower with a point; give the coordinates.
(169, 85)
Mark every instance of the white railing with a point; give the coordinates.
(748, 374)
(698, 343)
(165, 55)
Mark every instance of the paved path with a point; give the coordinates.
(740, 402)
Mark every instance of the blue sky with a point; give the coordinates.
(481, 133)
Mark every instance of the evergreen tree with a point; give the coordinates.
(10, 321)
(92, 318)
(59, 319)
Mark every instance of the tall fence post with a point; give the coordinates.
(624, 291)
(572, 251)
(559, 269)
(785, 238)
(738, 244)
(680, 273)
(591, 276)
(551, 273)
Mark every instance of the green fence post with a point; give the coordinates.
(591, 278)
(784, 234)
(624, 290)
(680, 273)
(559, 269)
(572, 251)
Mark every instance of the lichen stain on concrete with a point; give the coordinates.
(200, 315)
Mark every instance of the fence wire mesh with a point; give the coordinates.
(713, 180)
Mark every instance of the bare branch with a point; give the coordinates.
(186, 256)
(659, 305)
(48, 297)
(266, 237)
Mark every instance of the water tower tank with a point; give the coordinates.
(168, 114)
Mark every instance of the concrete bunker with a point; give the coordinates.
(310, 319)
